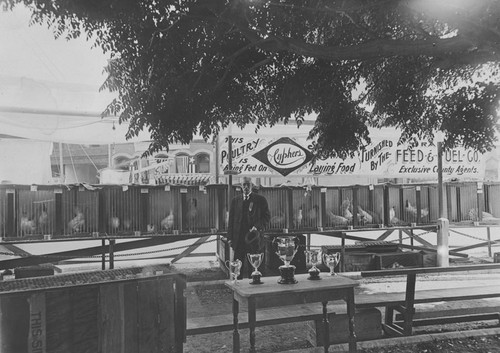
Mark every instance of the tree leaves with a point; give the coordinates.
(183, 67)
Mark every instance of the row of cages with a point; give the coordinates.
(113, 210)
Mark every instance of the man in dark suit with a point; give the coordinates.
(248, 217)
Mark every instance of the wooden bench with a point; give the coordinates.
(271, 316)
(404, 302)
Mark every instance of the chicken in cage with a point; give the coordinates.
(196, 210)
(396, 212)
(337, 209)
(123, 211)
(80, 211)
(278, 207)
(36, 210)
(492, 203)
(306, 210)
(367, 199)
(217, 205)
(163, 217)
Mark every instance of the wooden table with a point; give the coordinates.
(273, 294)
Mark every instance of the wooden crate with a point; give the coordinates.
(124, 310)
(368, 326)
(398, 259)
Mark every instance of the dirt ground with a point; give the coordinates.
(204, 301)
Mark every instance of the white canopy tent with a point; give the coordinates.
(49, 92)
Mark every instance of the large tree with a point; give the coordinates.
(192, 66)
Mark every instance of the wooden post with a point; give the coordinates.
(409, 303)
(59, 226)
(488, 234)
(342, 257)
(440, 179)
(103, 254)
(442, 243)
(10, 221)
(418, 205)
(355, 202)
(111, 254)
(387, 207)
(289, 203)
(322, 206)
(144, 209)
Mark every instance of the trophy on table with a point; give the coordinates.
(313, 257)
(255, 260)
(331, 260)
(286, 250)
(234, 268)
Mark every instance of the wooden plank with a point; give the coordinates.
(191, 248)
(385, 234)
(14, 323)
(147, 317)
(84, 301)
(428, 296)
(59, 320)
(472, 310)
(456, 319)
(166, 312)
(265, 317)
(130, 314)
(95, 250)
(37, 333)
(422, 270)
(419, 239)
(416, 247)
(111, 318)
(180, 311)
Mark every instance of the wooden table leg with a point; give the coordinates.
(111, 254)
(350, 314)
(251, 323)
(236, 334)
(326, 328)
(103, 254)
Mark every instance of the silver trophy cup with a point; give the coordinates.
(313, 257)
(331, 260)
(255, 260)
(286, 250)
(234, 268)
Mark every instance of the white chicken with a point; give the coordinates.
(167, 223)
(311, 217)
(28, 225)
(346, 212)
(278, 221)
(412, 211)
(364, 216)
(336, 220)
(297, 219)
(114, 223)
(127, 223)
(43, 219)
(192, 212)
(393, 220)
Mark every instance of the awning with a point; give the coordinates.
(184, 179)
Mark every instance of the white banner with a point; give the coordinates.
(267, 156)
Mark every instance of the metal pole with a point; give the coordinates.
(230, 164)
